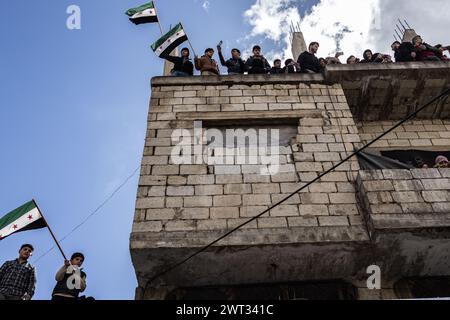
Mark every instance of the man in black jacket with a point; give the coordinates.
(277, 69)
(404, 52)
(235, 65)
(308, 61)
(257, 64)
(183, 67)
(290, 66)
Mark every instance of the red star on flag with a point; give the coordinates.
(15, 227)
(168, 41)
(30, 217)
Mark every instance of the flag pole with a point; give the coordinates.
(159, 23)
(49, 229)
(189, 41)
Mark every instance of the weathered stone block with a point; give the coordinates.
(285, 211)
(266, 188)
(407, 197)
(256, 200)
(343, 210)
(313, 210)
(198, 201)
(333, 221)
(237, 189)
(148, 226)
(180, 225)
(271, 223)
(160, 214)
(193, 214)
(436, 184)
(225, 213)
(208, 190)
(315, 198)
(180, 191)
(342, 198)
(229, 200)
(207, 225)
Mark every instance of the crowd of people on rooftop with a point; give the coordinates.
(307, 62)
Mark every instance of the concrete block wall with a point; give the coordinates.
(405, 199)
(432, 135)
(173, 198)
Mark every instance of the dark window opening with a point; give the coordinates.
(293, 291)
(416, 158)
(423, 288)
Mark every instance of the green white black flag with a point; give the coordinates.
(26, 217)
(143, 14)
(170, 41)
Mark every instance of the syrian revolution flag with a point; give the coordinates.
(143, 14)
(165, 45)
(24, 218)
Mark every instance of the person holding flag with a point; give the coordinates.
(18, 277)
(71, 279)
(167, 43)
(182, 66)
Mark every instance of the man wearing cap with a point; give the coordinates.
(206, 64)
(235, 65)
(18, 277)
(183, 66)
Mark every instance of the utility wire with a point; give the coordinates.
(92, 214)
(411, 116)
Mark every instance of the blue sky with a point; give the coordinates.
(74, 105)
(73, 121)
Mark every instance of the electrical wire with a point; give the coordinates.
(92, 214)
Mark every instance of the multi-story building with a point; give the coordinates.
(377, 212)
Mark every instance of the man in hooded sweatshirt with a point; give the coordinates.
(206, 64)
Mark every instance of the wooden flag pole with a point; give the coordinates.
(51, 232)
(189, 41)
(159, 23)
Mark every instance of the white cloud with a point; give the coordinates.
(206, 4)
(348, 25)
(272, 19)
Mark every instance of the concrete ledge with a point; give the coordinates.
(406, 70)
(386, 222)
(249, 237)
(238, 79)
(249, 115)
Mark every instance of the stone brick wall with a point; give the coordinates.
(195, 197)
(406, 199)
(416, 134)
